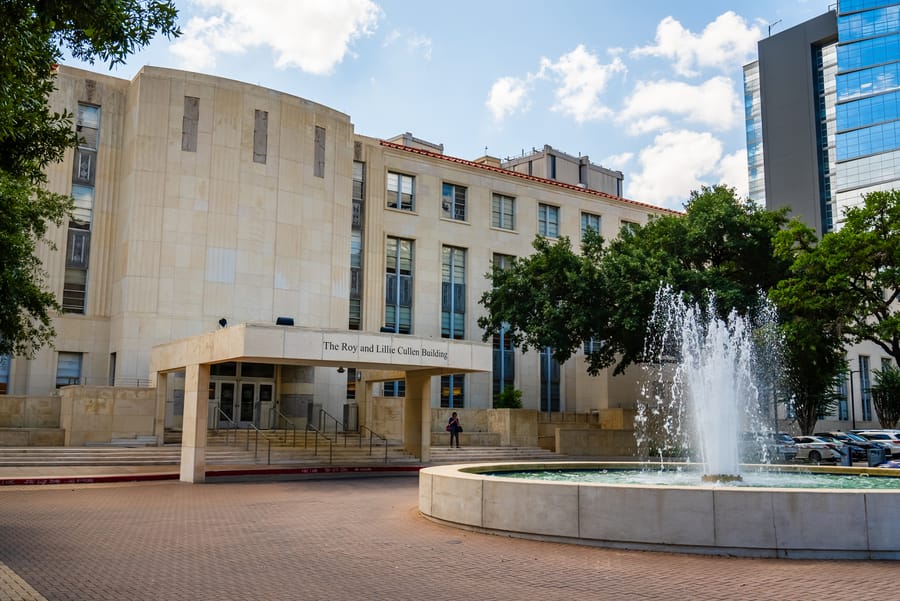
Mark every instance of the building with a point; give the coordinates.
(205, 205)
(822, 110)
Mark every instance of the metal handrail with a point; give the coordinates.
(310, 427)
(374, 434)
(337, 423)
(233, 427)
(281, 416)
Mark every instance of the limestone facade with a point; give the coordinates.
(215, 203)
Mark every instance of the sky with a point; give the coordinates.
(652, 88)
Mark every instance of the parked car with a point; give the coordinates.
(859, 446)
(890, 438)
(767, 446)
(816, 450)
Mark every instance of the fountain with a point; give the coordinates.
(709, 364)
(700, 389)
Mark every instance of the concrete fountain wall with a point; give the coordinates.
(753, 522)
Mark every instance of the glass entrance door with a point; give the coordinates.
(225, 396)
(247, 404)
(241, 402)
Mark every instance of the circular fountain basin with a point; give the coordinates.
(800, 523)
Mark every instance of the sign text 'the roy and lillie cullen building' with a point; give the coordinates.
(381, 351)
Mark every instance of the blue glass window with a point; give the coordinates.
(868, 81)
(868, 111)
(868, 140)
(869, 52)
(849, 6)
(869, 23)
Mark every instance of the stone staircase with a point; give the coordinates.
(112, 456)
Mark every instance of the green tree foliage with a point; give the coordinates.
(32, 38)
(552, 298)
(886, 396)
(558, 298)
(721, 244)
(508, 398)
(851, 276)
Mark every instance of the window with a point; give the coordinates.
(548, 221)
(319, 164)
(864, 384)
(549, 381)
(356, 246)
(453, 292)
(68, 369)
(394, 388)
(629, 226)
(351, 383)
(843, 413)
(189, 124)
(84, 207)
(4, 374)
(398, 286)
(504, 361)
(87, 126)
(503, 211)
(589, 221)
(78, 244)
(260, 136)
(503, 261)
(453, 391)
(453, 202)
(401, 192)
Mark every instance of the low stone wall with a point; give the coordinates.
(29, 411)
(99, 414)
(32, 437)
(595, 442)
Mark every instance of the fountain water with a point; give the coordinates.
(700, 393)
(703, 390)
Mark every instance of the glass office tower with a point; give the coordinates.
(868, 99)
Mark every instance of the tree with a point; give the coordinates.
(851, 276)
(558, 298)
(552, 298)
(722, 244)
(886, 396)
(32, 38)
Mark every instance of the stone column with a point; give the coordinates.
(196, 413)
(417, 415)
(161, 381)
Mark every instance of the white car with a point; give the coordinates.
(816, 450)
(889, 437)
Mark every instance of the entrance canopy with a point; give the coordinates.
(291, 345)
(419, 358)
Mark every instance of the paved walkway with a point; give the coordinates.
(337, 539)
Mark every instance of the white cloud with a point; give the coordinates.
(645, 125)
(715, 104)
(617, 161)
(724, 43)
(311, 35)
(421, 44)
(507, 96)
(733, 172)
(677, 163)
(584, 79)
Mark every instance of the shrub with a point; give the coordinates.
(509, 398)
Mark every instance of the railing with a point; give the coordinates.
(324, 418)
(372, 436)
(316, 434)
(281, 417)
(233, 427)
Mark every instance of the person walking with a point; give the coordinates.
(454, 428)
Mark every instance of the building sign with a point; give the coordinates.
(393, 351)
